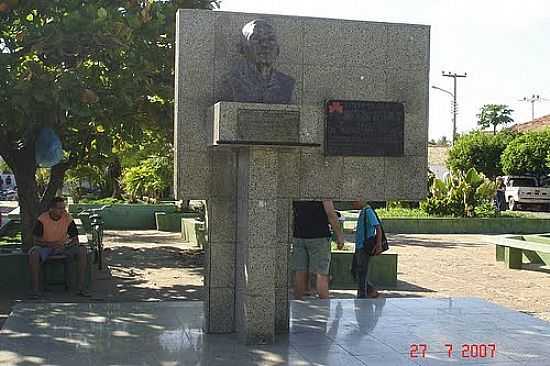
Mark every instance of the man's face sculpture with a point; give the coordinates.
(260, 43)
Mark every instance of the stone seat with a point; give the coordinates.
(511, 248)
(382, 271)
(52, 260)
(51, 268)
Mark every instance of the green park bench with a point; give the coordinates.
(512, 248)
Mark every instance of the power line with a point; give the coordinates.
(535, 98)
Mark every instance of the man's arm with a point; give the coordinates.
(37, 234)
(333, 220)
(72, 232)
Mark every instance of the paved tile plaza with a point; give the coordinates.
(336, 332)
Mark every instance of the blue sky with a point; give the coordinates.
(502, 45)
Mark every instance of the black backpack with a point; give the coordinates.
(385, 245)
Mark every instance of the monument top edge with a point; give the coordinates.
(270, 15)
(259, 106)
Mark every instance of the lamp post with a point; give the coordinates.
(453, 107)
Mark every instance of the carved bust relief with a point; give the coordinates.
(254, 79)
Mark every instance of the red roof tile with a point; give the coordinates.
(534, 125)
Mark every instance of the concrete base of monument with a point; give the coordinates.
(411, 331)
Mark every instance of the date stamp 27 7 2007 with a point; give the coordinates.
(469, 351)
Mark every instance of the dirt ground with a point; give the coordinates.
(465, 266)
(154, 266)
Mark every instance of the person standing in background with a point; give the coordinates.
(312, 243)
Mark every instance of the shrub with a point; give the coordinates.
(460, 194)
(151, 178)
(481, 151)
(527, 154)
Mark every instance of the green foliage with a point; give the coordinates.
(460, 194)
(486, 209)
(480, 151)
(527, 154)
(152, 178)
(102, 201)
(4, 168)
(11, 234)
(400, 212)
(493, 115)
(100, 73)
(85, 174)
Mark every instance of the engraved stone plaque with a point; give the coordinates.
(268, 126)
(364, 128)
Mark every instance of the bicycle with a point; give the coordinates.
(96, 225)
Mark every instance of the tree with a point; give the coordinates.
(440, 141)
(494, 115)
(527, 154)
(98, 72)
(481, 151)
(4, 168)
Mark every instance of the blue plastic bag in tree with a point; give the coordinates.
(48, 149)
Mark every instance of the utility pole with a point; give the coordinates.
(454, 75)
(533, 99)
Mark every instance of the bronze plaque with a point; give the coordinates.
(268, 126)
(362, 128)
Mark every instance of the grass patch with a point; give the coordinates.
(413, 213)
(401, 212)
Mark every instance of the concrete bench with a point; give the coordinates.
(511, 249)
(382, 271)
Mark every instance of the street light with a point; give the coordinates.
(454, 109)
(443, 90)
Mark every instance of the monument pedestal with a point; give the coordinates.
(256, 243)
(252, 238)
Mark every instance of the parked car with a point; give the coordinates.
(525, 192)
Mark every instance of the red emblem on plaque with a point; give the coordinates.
(336, 107)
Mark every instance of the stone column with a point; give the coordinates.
(256, 244)
(219, 276)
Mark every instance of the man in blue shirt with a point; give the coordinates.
(368, 242)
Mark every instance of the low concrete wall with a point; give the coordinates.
(125, 216)
(382, 271)
(464, 226)
(171, 222)
(15, 273)
(193, 231)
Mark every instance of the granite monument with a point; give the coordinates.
(253, 134)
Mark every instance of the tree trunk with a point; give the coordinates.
(23, 165)
(57, 177)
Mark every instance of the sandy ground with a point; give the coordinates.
(465, 266)
(153, 266)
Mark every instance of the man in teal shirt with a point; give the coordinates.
(368, 242)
